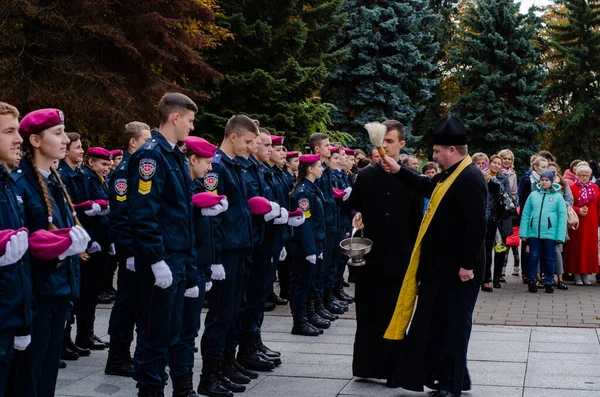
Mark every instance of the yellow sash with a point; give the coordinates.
(408, 293)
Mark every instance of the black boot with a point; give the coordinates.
(231, 372)
(269, 306)
(277, 300)
(330, 305)
(303, 327)
(183, 386)
(225, 381)
(314, 318)
(330, 297)
(151, 391)
(324, 313)
(244, 371)
(68, 342)
(261, 346)
(119, 360)
(250, 358)
(209, 385)
(339, 293)
(68, 354)
(531, 286)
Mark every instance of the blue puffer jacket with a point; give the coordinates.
(545, 215)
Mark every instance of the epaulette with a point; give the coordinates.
(17, 174)
(216, 159)
(149, 145)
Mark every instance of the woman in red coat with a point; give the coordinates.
(581, 252)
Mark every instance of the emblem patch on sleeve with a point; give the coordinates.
(121, 186)
(145, 187)
(147, 168)
(211, 181)
(304, 205)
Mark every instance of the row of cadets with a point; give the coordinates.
(160, 219)
(16, 313)
(56, 240)
(125, 313)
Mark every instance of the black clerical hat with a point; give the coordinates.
(449, 131)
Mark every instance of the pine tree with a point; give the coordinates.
(574, 80)
(389, 48)
(275, 67)
(498, 65)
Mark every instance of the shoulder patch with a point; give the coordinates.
(147, 168)
(304, 205)
(121, 186)
(216, 159)
(211, 181)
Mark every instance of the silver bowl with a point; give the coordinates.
(355, 248)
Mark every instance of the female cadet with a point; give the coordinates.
(307, 243)
(55, 281)
(93, 272)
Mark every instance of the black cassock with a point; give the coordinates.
(391, 214)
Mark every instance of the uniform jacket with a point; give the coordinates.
(283, 192)
(325, 184)
(309, 238)
(97, 226)
(274, 233)
(15, 283)
(545, 215)
(254, 180)
(340, 181)
(160, 203)
(290, 178)
(119, 223)
(74, 180)
(50, 279)
(203, 254)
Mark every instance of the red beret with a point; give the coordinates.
(116, 153)
(206, 199)
(40, 120)
(310, 158)
(292, 155)
(5, 236)
(337, 193)
(259, 205)
(277, 140)
(98, 153)
(334, 149)
(350, 152)
(200, 147)
(102, 203)
(85, 206)
(298, 212)
(49, 244)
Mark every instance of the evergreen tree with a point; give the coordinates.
(574, 81)
(389, 50)
(275, 66)
(498, 64)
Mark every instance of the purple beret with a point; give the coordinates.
(338, 193)
(334, 149)
(40, 120)
(259, 205)
(276, 140)
(116, 153)
(49, 244)
(350, 152)
(292, 155)
(298, 212)
(85, 206)
(98, 153)
(206, 199)
(5, 236)
(200, 147)
(310, 158)
(102, 203)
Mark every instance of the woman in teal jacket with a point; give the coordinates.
(543, 225)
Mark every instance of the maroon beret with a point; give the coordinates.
(206, 199)
(49, 244)
(334, 149)
(337, 193)
(99, 153)
(259, 205)
(298, 212)
(102, 203)
(276, 140)
(310, 158)
(292, 155)
(5, 236)
(200, 147)
(116, 153)
(85, 206)
(350, 152)
(40, 120)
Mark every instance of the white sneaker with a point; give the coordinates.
(578, 278)
(584, 278)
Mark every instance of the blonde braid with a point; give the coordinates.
(45, 195)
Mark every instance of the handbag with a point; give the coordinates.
(509, 205)
(572, 218)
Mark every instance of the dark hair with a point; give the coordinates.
(547, 155)
(371, 152)
(174, 102)
(133, 130)
(395, 125)
(73, 136)
(363, 163)
(240, 125)
(302, 173)
(428, 166)
(315, 140)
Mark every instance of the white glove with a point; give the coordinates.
(321, 256)
(112, 250)
(192, 292)
(94, 211)
(283, 254)
(130, 264)
(282, 219)
(79, 242)
(218, 272)
(15, 248)
(21, 342)
(95, 247)
(213, 211)
(296, 221)
(348, 191)
(106, 211)
(312, 259)
(274, 213)
(225, 203)
(207, 286)
(162, 274)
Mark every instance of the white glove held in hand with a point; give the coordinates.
(94, 211)
(348, 191)
(207, 286)
(218, 272)
(282, 219)
(321, 255)
(274, 213)
(130, 264)
(213, 211)
(162, 274)
(15, 248)
(79, 242)
(106, 211)
(112, 250)
(192, 292)
(283, 254)
(312, 259)
(21, 342)
(225, 203)
(95, 247)
(296, 221)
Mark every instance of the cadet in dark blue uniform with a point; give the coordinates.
(284, 268)
(233, 249)
(126, 309)
(15, 295)
(307, 242)
(160, 219)
(55, 281)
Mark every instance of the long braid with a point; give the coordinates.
(45, 195)
(302, 173)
